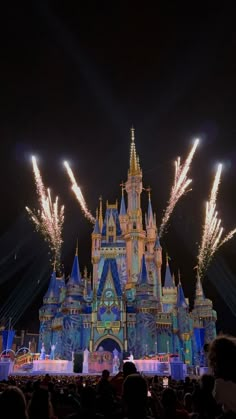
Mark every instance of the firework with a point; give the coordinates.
(212, 229)
(79, 196)
(49, 218)
(180, 187)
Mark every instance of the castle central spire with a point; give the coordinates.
(134, 167)
(135, 235)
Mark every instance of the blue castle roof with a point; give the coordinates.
(157, 243)
(181, 303)
(54, 288)
(169, 281)
(96, 229)
(150, 212)
(110, 263)
(75, 277)
(143, 278)
(122, 206)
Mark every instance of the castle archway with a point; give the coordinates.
(108, 343)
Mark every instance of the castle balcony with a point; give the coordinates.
(131, 319)
(50, 300)
(205, 313)
(203, 303)
(46, 316)
(57, 323)
(164, 320)
(87, 318)
(150, 310)
(114, 326)
(73, 290)
(86, 325)
(172, 291)
(112, 250)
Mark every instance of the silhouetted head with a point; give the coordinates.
(129, 368)
(13, 403)
(222, 355)
(105, 374)
(169, 399)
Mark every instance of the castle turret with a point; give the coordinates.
(100, 217)
(74, 290)
(184, 326)
(169, 289)
(123, 213)
(135, 236)
(199, 294)
(158, 263)
(58, 322)
(181, 302)
(48, 311)
(204, 316)
(72, 308)
(151, 227)
(96, 248)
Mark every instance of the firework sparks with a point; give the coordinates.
(180, 187)
(212, 229)
(49, 218)
(79, 196)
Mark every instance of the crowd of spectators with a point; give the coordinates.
(129, 394)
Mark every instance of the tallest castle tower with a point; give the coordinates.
(135, 235)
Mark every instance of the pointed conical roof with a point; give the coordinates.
(169, 280)
(100, 217)
(150, 217)
(53, 292)
(134, 168)
(111, 264)
(157, 243)
(199, 290)
(75, 277)
(96, 229)
(143, 278)
(122, 204)
(181, 303)
(52, 285)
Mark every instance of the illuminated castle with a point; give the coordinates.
(125, 305)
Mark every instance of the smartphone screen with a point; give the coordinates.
(165, 382)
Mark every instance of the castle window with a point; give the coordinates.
(134, 226)
(110, 229)
(110, 239)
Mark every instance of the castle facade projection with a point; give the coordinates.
(126, 304)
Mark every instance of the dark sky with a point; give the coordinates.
(74, 77)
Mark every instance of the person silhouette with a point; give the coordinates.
(52, 354)
(43, 352)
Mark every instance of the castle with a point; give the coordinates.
(125, 305)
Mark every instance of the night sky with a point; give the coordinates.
(73, 80)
